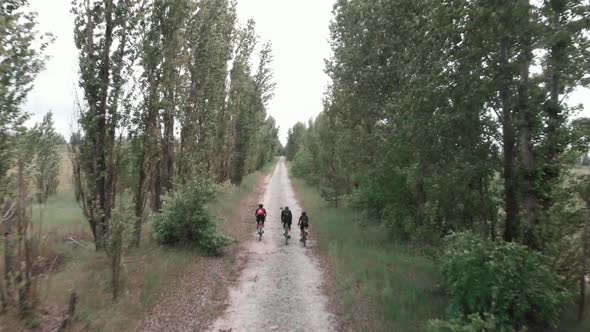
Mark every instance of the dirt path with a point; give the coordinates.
(280, 288)
(198, 296)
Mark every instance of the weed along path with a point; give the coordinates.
(280, 289)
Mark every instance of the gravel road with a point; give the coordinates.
(280, 289)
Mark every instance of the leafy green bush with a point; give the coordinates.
(505, 284)
(185, 219)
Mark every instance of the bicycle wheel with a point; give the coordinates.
(259, 231)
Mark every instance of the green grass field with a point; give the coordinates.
(383, 286)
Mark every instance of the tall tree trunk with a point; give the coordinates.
(552, 106)
(531, 220)
(509, 140)
(584, 265)
(221, 146)
(155, 160)
(157, 188)
(139, 199)
(116, 268)
(168, 150)
(100, 147)
(180, 170)
(8, 214)
(22, 279)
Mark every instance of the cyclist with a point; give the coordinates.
(260, 216)
(286, 217)
(303, 223)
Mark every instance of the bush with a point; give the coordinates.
(185, 219)
(473, 322)
(508, 286)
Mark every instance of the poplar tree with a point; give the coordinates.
(104, 32)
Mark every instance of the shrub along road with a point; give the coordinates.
(199, 294)
(281, 285)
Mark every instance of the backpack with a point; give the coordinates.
(287, 214)
(260, 213)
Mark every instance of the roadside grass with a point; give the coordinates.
(382, 286)
(230, 196)
(65, 240)
(146, 271)
(569, 319)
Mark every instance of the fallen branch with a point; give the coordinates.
(74, 241)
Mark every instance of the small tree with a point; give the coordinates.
(16, 220)
(119, 240)
(48, 160)
(21, 59)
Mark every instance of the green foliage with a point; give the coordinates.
(21, 59)
(118, 241)
(120, 228)
(48, 159)
(185, 219)
(265, 146)
(383, 286)
(105, 32)
(302, 165)
(319, 159)
(436, 122)
(509, 285)
(248, 98)
(473, 323)
(295, 140)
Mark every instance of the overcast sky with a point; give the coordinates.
(298, 30)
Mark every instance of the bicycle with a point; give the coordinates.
(259, 230)
(286, 233)
(304, 238)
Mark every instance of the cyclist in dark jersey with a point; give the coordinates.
(286, 217)
(303, 223)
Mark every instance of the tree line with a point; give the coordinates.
(173, 97)
(451, 116)
(170, 94)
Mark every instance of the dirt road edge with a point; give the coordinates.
(200, 293)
